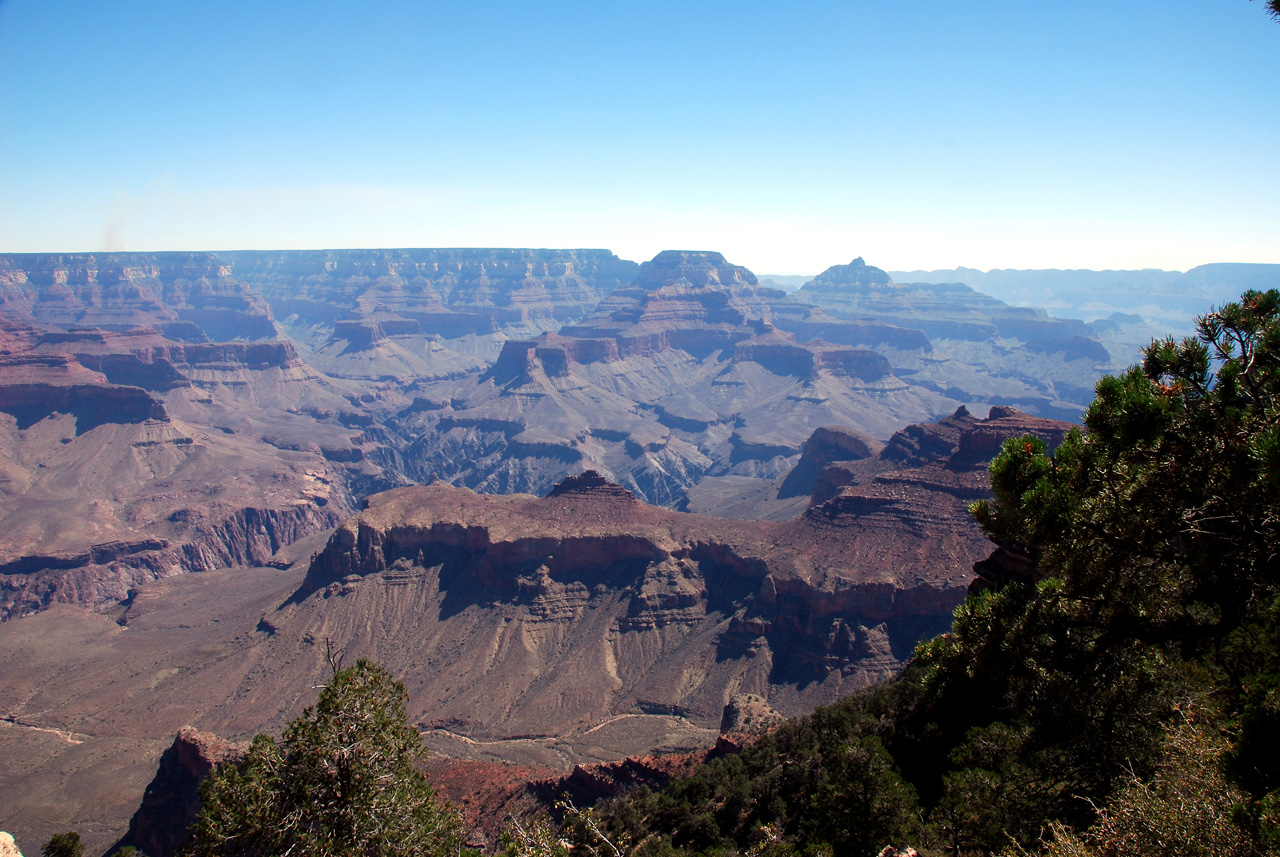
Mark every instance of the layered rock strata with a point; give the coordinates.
(638, 599)
(126, 456)
(680, 375)
(187, 294)
(576, 628)
(941, 310)
(983, 350)
(360, 295)
(172, 800)
(103, 575)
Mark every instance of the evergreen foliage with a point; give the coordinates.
(1054, 702)
(63, 845)
(1184, 811)
(341, 781)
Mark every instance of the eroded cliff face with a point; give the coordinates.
(127, 456)
(680, 375)
(983, 350)
(417, 365)
(579, 627)
(451, 292)
(588, 604)
(105, 574)
(187, 294)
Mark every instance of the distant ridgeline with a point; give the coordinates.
(1167, 299)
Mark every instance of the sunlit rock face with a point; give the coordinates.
(152, 422)
(172, 799)
(189, 295)
(445, 292)
(588, 603)
(689, 371)
(283, 386)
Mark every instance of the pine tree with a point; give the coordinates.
(342, 781)
(63, 845)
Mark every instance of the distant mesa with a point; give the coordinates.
(942, 310)
(115, 291)
(1073, 347)
(589, 483)
(856, 272)
(699, 303)
(697, 268)
(450, 292)
(1167, 301)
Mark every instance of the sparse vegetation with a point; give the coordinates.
(342, 781)
(63, 845)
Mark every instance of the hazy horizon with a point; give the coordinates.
(759, 273)
(1008, 136)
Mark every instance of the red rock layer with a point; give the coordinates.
(171, 801)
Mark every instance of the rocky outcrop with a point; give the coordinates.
(955, 450)
(551, 353)
(827, 445)
(748, 713)
(782, 355)
(592, 485)
(91, 404)
(8, 848)
(981, 442)
(172, 800)
(923, 443)
(846, 590)
(587, 784)
(363, 334)
(106, 574)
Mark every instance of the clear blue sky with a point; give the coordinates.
(928, 134)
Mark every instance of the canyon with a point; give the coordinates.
(583, 507)
(175, 412)
(572, 629)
